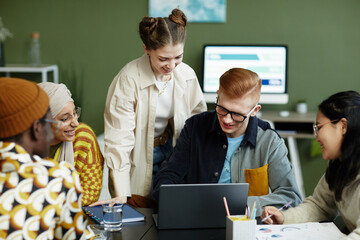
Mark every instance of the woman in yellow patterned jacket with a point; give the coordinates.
(75, 142)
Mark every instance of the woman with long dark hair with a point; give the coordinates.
(337, 129)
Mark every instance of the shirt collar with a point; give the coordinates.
(146, 74)
(251, 132)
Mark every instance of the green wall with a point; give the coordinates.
(92, 40)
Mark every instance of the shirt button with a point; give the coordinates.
(224, 146)
(216, 174)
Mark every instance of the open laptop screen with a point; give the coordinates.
(188, 206)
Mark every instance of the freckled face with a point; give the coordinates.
(68, 124)
(165, 59)
(330, 136)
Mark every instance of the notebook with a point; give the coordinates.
(190, 206)
(129, 214)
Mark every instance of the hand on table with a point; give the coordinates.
(111, 202)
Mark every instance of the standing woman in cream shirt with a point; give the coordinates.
(146, 108)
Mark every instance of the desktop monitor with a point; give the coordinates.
(268, 61)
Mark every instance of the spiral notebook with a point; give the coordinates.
(129, 214)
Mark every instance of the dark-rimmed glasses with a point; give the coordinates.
(237, 117)
(317, 126)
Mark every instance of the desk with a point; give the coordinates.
(148, 231)
(26, 68)
(189, 234)
(134, 230)
(294, 126)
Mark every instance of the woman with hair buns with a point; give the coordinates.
(146, 107)
(75, 142)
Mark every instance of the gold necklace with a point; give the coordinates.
(164, 87)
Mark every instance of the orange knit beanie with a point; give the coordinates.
(21, 103)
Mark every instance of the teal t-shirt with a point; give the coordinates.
(233, 144)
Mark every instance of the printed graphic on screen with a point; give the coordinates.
(268, 62)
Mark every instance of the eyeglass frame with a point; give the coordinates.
(71, 117)
(316, 127)
(52, 121)
(231, 113)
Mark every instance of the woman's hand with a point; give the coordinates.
(277, 218)
(111, 202)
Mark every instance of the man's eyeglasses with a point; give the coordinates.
(66, 121)
(54, 124)
(237, 117)
(317, 126)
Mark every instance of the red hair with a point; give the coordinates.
(237, 82)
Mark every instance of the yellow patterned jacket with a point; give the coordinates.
(39, 199)
(89, 162)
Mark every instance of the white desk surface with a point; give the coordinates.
(274, 116)
(26, 68)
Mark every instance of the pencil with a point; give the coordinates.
(252, 210)
(226, 207)
(280, 209)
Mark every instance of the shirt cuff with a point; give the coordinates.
(121, 182)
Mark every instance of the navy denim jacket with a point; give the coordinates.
(200, 153)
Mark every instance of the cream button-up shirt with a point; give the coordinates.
(130, 112)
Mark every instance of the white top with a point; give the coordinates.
(165, 106)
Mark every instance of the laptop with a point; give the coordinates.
(191, 206)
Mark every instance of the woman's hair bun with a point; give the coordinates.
(148, 24)
(178, 17)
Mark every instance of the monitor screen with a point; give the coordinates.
(268, 61)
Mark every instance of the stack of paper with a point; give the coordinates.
(308, 231)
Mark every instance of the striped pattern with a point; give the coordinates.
(89, 162)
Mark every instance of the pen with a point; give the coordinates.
(280, 209)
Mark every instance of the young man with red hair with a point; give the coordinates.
(231, 145)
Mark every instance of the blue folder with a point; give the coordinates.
(129, 214)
